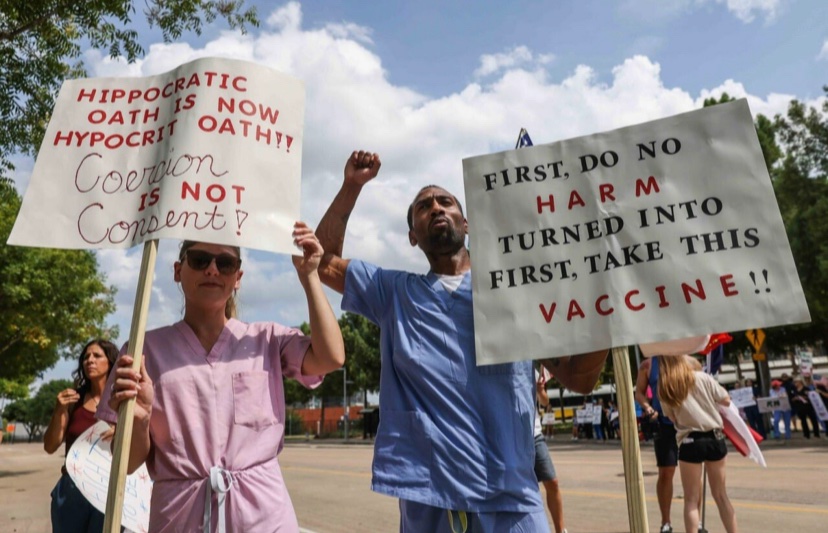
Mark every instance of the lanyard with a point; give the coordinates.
(458, 523)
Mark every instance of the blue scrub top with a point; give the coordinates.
(655, 402)
(452, 435)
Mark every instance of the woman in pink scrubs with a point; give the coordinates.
(210, 407)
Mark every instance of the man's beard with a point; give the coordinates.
(449, 240)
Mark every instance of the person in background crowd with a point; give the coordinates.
(754, 417)
(690, 398)
(778, 391)
(803, 409)
(612, 426)
(598, 429)
(544, 468)
(75, 413)
(811, 386)
(788, 385)
(664, 437)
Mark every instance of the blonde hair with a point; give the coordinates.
(230, 310)
(675, 379)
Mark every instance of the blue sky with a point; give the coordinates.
(428, 83)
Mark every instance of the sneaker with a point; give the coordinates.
(666, 528)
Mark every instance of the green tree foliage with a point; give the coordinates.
(362, 362)
(801, 186)
(362, 351)
(41, 43)
(51, 301)
(35, 413)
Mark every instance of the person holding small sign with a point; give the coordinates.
(75, 413)
(690, 398)
(801, 404)
(778, 391)
(210, 406)
(455, 443)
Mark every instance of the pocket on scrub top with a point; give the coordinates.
(252, 404)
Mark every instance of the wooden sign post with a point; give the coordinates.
(630, 450)
(123, 433)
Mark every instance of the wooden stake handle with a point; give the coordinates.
(633, 474)
(123, 433)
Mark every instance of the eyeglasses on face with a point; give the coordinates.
(200, 260)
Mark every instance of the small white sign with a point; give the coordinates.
(742, 397)
(596, 414)
(548, 419)
(777, 403)
(806, 363)
(819, 405)
(89, 461)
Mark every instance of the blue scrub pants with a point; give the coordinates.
(777, 416)
(418, 517)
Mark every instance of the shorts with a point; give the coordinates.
(701, 446)
(666, 448)
(544, 469)
(418, 517)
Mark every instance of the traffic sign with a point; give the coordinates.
(756, 338)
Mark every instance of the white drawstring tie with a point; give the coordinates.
(221, 481)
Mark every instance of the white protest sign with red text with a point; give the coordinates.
(89, 461)
(210, 151)
(654, 232)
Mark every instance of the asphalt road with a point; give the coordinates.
(330, 488)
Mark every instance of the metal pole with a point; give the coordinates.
(703, 498)
(345, 398)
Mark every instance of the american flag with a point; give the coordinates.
(523, 139)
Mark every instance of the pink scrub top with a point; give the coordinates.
(225, 409)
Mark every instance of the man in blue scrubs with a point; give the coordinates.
(455, 441)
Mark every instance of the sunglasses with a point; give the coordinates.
(200, 260)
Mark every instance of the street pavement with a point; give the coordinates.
(329, 483)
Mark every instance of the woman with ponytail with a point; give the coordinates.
(210, 404)
(690, 398)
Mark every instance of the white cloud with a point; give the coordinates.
(516, 57)
(774, 104)
(351, 104)
(746, 10)
(823, 53)
(349, 30)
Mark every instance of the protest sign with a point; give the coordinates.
(596, 414)
(742, 397)
(583, 416)
(548, 419)
(775, 403)
(210, 151)
(819, 405)
(88, 463)
(806, 363)
(654, 232)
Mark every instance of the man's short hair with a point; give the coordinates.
(410, 216)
